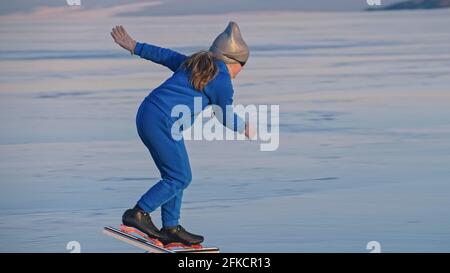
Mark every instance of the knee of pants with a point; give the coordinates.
(188, 179)
(181, 181)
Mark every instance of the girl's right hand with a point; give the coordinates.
(122, 38)
(250, 131)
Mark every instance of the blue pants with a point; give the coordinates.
(171, 159)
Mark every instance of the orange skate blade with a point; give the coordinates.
(132, 230)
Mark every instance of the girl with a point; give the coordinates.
(205, 74)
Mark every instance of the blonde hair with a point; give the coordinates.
(202, 68)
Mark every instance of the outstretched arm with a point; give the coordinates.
(159, 55)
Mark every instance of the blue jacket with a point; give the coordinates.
(178, 90)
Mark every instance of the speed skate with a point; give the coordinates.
(139, 239)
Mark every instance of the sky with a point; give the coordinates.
(181, 7)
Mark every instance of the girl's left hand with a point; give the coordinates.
(122, 38)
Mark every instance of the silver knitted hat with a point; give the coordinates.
(229, 45)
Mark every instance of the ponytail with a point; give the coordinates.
(202, 69)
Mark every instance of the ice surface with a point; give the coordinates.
(364, 121)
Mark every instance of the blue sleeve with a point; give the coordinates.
(221, 94)
(159, 55)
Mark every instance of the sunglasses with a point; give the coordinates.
(241, 63)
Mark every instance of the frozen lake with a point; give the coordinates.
(364, 149)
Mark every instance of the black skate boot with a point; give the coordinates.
(139, 219)
(179, 235)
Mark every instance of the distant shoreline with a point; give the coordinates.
(89, 15)
(414, 5)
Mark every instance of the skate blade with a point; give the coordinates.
(172, 246)
(132, 230)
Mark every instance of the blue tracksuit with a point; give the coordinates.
(154, 123)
